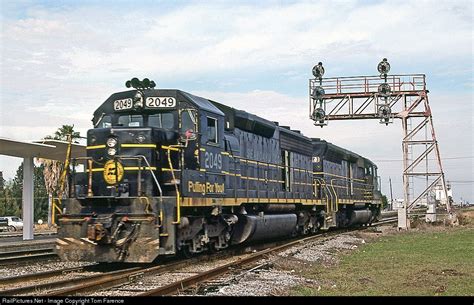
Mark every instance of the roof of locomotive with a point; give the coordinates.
(199, 102)
(322, 146)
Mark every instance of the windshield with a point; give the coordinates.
(161, 120)
(105, 122)
(130, 120)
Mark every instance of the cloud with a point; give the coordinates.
(59, 62)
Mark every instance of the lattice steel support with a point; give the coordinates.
(429, 145)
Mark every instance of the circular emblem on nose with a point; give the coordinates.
(113, 172)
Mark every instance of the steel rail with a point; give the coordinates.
(120, 278)
(184, 284)
(37, 288)
(181, 285)
(41, 275)
(12, 257)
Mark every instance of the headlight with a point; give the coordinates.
(138, 101)
(141, 138)
(111, 142)
(111, 151)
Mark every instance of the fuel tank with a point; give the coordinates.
(255, 227)
(360, 217)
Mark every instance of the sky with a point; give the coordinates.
(61, 59)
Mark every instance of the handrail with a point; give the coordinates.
(335, 194)
(327, 191)
(178, 196)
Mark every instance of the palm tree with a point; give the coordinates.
(63, 132)
(53, 168)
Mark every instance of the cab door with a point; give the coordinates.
(213, 160)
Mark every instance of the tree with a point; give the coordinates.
(384, 202)
(63, 132)
(9, 205)
(12, 194)
(53, 168)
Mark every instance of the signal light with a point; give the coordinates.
(383, 67)
(318, 92)
(384, 89)
(318, 70)
(318, 116)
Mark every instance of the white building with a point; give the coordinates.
(440, 195)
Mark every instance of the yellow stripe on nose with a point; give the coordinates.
(138, 145)
(96, 146)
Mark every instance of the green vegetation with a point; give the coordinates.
(11, 195)
(411, 263)
(384, 202)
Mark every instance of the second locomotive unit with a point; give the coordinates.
(167, 172)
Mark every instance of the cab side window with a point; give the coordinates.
(212, 130)
(105, 122)
(188, 121)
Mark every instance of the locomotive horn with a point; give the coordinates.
(135, 83)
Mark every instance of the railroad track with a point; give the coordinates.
(24, 278)
(123, 276)
(18, 234)
(16, 256)
(182, 285)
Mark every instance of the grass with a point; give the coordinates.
(410, 263)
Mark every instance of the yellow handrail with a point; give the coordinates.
(178, 196)
(147, 204)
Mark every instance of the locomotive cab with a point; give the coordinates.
(141, 144)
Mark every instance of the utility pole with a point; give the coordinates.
(391, 193)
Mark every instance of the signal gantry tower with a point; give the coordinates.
(385, 97)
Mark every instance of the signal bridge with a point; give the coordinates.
(386, 97)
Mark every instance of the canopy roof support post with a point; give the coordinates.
(28, 200)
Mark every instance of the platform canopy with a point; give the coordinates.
(46, 149)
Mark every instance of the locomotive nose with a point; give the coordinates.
(121, 161)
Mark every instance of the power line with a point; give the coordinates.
(447, 158)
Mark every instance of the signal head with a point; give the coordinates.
(318, 70)
(384, 89)
(383, 67)
(318, 92)
(318, 115)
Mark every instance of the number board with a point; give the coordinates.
(123, 104)
(160, 102)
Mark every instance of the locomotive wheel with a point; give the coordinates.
(212, 247)
(186, 252)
